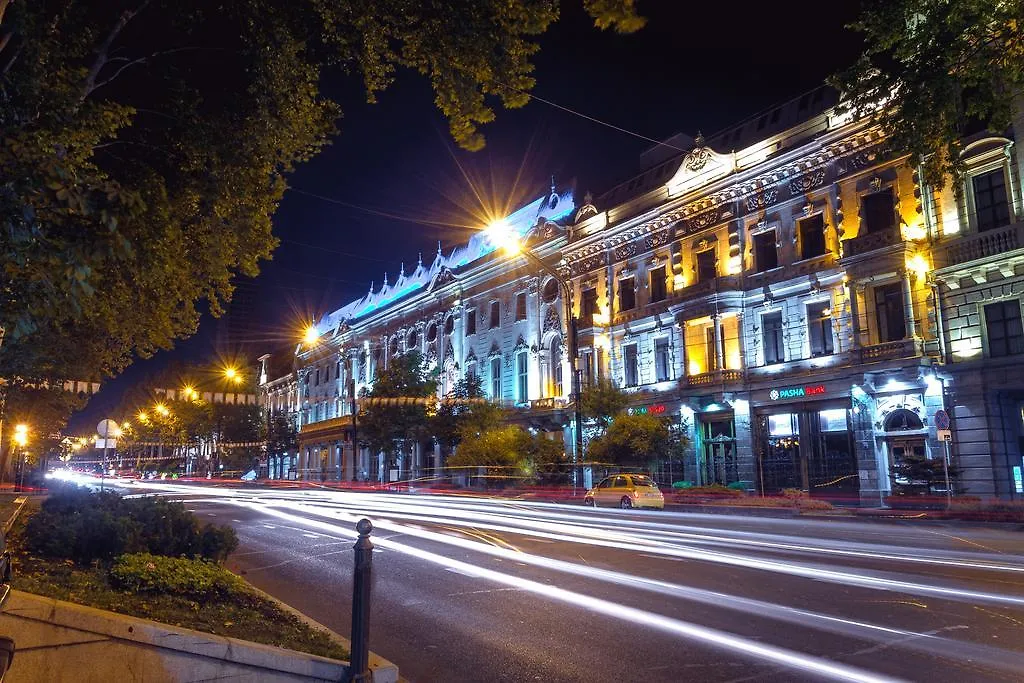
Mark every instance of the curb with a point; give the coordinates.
(20, 502)
(381, 670)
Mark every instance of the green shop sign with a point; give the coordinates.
(796, 392)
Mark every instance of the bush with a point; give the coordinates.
(198, 579)
(710, 491)
(738, 485)
(682, 485)
(83, 526)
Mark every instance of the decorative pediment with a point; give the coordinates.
(495, 352)
(470, 357)
(521, 345)
(700, 166)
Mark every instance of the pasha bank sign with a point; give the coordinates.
(783, 393)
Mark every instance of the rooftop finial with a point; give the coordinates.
(552, 183)
(371, 286)
(385, 285)
(439, 247)
(401, 272)
(419, 261)
(699, 140)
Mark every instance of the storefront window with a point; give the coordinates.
(807, 449)
(718, 442)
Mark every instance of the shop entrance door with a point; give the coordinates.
(718, 437)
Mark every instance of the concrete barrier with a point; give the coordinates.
(59, 641)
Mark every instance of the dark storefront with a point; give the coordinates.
(807, 446)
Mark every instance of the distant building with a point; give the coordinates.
(278, 395)
(800, 300)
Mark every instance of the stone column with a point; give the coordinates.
(719, 355)
(908, 303)
(682, 350)
(854, 316)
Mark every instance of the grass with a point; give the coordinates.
(245, 615)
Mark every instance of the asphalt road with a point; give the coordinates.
(497, 590)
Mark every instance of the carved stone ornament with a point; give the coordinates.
(625, 251)
(657, 239)
(808, 208)
(495, 352)
(471, 357)
(808, 182)
(551, 320)
(762, 199)
(876, 184)
(697, 159)
(703, 220)
(521, 345)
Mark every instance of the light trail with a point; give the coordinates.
(712, 637)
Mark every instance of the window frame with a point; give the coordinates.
(1007, 338)
(520, 306)
(698, 271)
(622, 290)
(634, 367)
(494, 315)
(662, 361)
(588, 302)
(657, 284)
(780, 339)
(495, 371)
(820, 217)
(471, 321)
(522, 377)
(759, 239)
(888, 190)
(820, 322)
(898, 299)
(980, 172)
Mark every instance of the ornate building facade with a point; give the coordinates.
(796, 296)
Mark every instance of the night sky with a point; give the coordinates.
(393, 184)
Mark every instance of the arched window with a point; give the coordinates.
(449, 325)
(902, 419)
(432, 333)
(412, 341)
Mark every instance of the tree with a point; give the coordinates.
(146, 145)
(464, 411)
(45, 410)
(934, 69)
(919, 475)
(393, 426)
(281, 435)
(509, 453)
(635, 440)
(602, 400)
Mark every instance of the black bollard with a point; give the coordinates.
(359, 661)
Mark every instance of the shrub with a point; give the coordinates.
(83, 526)
(682, 484)
(794, 494)
(738, 485)
(198, 579)
(710, 491)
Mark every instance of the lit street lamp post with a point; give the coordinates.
(21, 439)
(501, 234)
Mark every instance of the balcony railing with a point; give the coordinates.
(979, 245)
(714, 377)
(904, 348)
(862, 244)
(548, 403)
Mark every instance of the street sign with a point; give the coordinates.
(944, 435)
(941, 420)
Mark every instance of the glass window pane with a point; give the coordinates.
(782, 425)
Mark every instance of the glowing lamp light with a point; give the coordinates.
(694, 367)
(678, 281)
(734, 266)
(962, 348)
(311, 335)
(734, 360)
(161, 409)
(143, 417)
(21, 435)
(600, 318)
(914, 232)
(918, 265)
(500, 234)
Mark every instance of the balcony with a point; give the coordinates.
(715, 377)
(904, 348)
(863, 244)
(549, 403)
(723, 283)
(980, 245)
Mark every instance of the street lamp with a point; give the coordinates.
(21, 439)
(311, 335)
(161, 409)
(501, 234)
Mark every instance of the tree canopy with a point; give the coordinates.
(392, 428)
(934, 69)
(510, 453)
(146, 145)
(464, 412)
(636, 440)
(602, 400)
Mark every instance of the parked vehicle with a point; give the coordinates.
(626, 491)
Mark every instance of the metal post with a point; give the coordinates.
(359, 664)
(945, 470)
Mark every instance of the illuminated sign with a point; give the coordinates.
(796, 392)
(658, 409)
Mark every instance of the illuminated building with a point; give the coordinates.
(789, 290)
